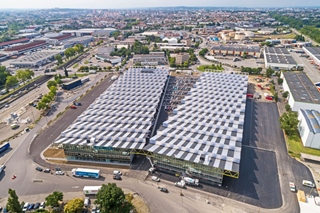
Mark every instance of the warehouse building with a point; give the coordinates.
(303, 94)
(84, 40)
(119, 121)
(203, 137)
(314, 53)
(37, 59)
(278, 58)
(90, 32)
(309, 128)
(153, 59)
(233, 50)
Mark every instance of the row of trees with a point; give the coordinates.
(47, 98)
(251, 71)
(72, 51)
(110, 198)
(21, 75)
(4, 73)
(203, 52)
(312, 32)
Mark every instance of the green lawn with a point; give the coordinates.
(295, 147)
(86, 62)
(202, 68)
(79, 75)
(76, 65)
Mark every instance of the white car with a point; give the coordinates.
(155, 178)
(308, 183)
(115, 172)
(292, 186)
(59, 173)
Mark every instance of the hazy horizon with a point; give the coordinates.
(127, 4)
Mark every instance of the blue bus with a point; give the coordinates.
(4, 147)
(80, 172)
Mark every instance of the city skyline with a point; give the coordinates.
(100, 4)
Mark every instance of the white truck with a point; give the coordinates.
(91, 190)
(191, 181)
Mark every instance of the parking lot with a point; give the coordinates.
(250, 62)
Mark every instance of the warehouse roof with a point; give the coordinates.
(302, 88)
(313, 120)
(277, 55)
(237, 48)
(315, 51)
(36, 57)
(207, 127)
(122, 116)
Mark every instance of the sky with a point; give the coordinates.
(108, 4)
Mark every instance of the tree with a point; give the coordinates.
(21, 75)
(280, 81)
(54, 198)
(13, 204)
(111, 198)
(3, 75)
(269, 72)
(79, 48)
(285, 94)
(11, 81)
(59, 59)
(276, 97)
(74, 206)
(288, 108)
(41, 105)
(69, 52)
(51, 83)
(117, 68)
(41, 210)
(289, 122)
(29, 74)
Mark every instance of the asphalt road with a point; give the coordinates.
(19, 161)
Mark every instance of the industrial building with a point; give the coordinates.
(36, 59)
(234, 50)
(119, 121)
(278, 58)
(181, 58)
(309, 128)
(12, 42)
(203, 137)
(153, 59)
(303, 94)
(314, 53)
(103, 53)
(19, 49)
(84, 40)
(90, 32)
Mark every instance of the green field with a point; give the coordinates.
(281, 36)
(202, 68)
(295, 147)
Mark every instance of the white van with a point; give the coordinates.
(115, 172)
(86, 202)
(25, 207)
(155, 178)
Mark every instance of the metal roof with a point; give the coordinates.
(302, 88)
(236, 48)
(122, 116)
(313, 120)
(277, 55)
(36, 57)
(207, 127)
(315, 51)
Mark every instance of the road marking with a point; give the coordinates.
(75, 187)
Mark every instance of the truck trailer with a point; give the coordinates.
(91, 190)
(80, 172)
(191, 181)
(72, 84)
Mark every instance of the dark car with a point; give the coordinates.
(37, 205)
(39, 169)
(116, 177)
(47, 171)
(77, 103)
(164, 190)
(31, 206)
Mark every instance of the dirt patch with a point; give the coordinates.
(54, 153)
(138, 203)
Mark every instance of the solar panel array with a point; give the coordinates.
(207, 127)
(122, 116)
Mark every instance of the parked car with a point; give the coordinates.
(31, 206)
(42, 205)
(73, 107)
(292, 186)
(162, 189)
(39, 169)
(115, 172)
(37, 205)
(308, 183)
(155, 178)
(47, 171)
(59, 173)
(7, 105)
(77, 104)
